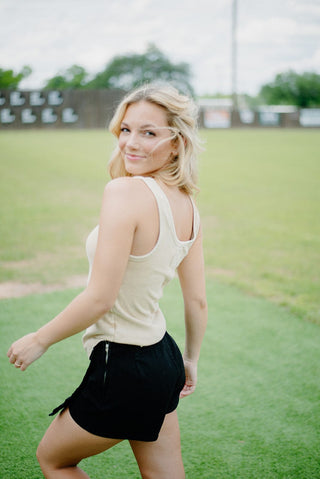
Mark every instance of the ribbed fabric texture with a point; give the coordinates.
(136, 317)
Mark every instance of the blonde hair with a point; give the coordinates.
(182, 115)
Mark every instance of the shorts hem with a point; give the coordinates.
(111, 435)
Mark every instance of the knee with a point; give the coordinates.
(40, 455)
(153, 473)
(43, 460)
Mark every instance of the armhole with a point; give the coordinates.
(196, 220)
(149, 185)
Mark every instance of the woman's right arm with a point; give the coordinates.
(192, 280)
(118, 219)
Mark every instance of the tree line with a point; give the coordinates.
(129, 71)
(123, 72)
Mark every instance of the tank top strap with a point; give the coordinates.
(161, 198)
(196, 219)
(165, 211)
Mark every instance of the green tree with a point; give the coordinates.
(129, 71)
(291, 88)
(73, 77)
(10, 80)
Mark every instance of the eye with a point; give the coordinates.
(148, 133)
(124, 129)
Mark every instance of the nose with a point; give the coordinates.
(132, 141)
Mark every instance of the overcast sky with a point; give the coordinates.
(273, 36)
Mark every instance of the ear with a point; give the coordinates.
(177, 144)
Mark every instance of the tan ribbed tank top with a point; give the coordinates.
(136, 317)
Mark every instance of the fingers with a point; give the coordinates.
(11, 356)
(18, 363)
(187, 390)
(25, 351)
(191, 378)
(15, 360)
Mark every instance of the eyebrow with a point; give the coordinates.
(147, 125)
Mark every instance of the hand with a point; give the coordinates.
(191, 368)
(25, 351)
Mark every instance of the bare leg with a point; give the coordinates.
(161, 459)
(65, 444)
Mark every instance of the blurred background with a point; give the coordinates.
(247, 63)
(253, 67)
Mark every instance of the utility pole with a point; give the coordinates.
(234, 56)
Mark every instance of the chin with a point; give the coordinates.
(136, 171)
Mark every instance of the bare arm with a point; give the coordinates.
(192, 281)
(116, 231)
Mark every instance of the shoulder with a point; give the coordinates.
(128, 197)
(127, 189)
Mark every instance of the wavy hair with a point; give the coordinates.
(182, 115)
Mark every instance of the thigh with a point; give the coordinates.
(66, 444)
(161, 459)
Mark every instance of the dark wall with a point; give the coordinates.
(211, 117)
(94, 109)
(57, 109)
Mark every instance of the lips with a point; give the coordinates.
(131, 157)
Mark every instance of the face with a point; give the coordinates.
(145, 140)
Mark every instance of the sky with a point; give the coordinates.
(273, 36)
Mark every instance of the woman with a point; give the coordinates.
(149, 227)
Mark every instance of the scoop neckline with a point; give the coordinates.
(182, 242)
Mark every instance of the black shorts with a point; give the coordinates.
(127, 390)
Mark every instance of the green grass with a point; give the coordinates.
(255, 414)
(260, 201)
(256, 411)
(51, 189)
(260, 197)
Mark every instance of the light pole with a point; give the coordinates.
(234, 56)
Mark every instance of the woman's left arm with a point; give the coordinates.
(117, 225)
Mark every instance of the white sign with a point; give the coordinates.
(69, 115)
(16, 99)
(27, 116)
(54, 98)
(269, 118)
(310, 117)
(7, 116)
(246, 116)
(217, 118)
(48, 115)
(36, 98)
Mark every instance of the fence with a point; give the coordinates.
(57, 109)
(218, 113)
(94, 109)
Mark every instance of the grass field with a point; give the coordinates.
(260, 201)
(260, 205)
(256, 411)
(255, 414)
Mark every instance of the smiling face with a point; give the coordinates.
(145, 139)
